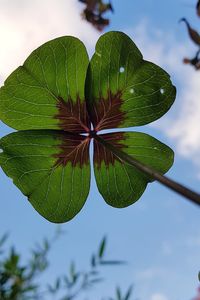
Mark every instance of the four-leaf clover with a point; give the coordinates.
(59, 101)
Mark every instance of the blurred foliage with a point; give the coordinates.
(195, 38)
(198, 8)
(94, 12)
(21, 281)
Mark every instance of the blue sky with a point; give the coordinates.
(159, 236)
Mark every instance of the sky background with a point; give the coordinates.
(159, 235)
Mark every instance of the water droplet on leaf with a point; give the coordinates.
(162, 91)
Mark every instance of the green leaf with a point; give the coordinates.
(122, 89)
(118, 293)
(112, 262)
(93, 261)
(46, 245)
(73, 274)
(119, 183)
(96, 280)
(47, 92)
(102, 248)
(52, 169)
(58, 283)
(11, 264)
(3, 239)
(129, 293)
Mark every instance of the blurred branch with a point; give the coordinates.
(20, 282)
(94, 13)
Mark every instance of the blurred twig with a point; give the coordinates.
(94, 13)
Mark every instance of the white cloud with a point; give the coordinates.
(186, 129)
(26, 24)
(158, 296)
(182, 124)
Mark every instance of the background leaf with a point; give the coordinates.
(129, 293)
(102, 248)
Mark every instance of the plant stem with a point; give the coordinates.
(173, 185)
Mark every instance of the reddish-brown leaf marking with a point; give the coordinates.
(102, 154)
(74, 149)
(73, 116)
(107, 113)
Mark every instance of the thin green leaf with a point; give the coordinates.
(102, 248)
(58, 283)
(95, 281)
(112, 262)
(118, 293)
(93, 261)
(73, 274)
(129, 293)
(3, 239)
(46, 245)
